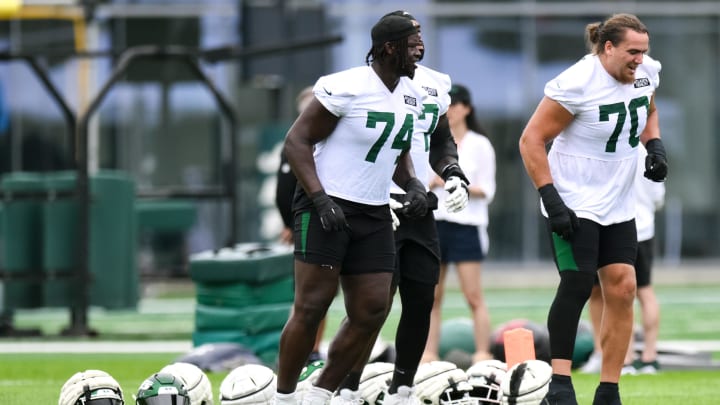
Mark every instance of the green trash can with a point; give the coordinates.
(112, 246)
(22, 240)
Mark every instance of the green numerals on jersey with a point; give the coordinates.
(621, 111)
(402, 138)
(432, 109)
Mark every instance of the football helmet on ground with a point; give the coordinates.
(162, 389)
(91, 387)
(248, 384)
(308, 376)
(526, 383)
(485, 377)
(196, 382)
(442, 383)
(374, 381)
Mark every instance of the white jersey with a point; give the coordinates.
(593, 161)
(476, 156)
(437, 86)
(357, 161)
(650, 196)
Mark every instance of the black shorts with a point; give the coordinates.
(595, 246)
(367, 246)
(459, 242)
(418, 250)
(643, 263)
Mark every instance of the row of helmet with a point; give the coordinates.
(436, 383)
(443, 383)
(174, 384)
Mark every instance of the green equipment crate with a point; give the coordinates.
(113, 240)
(252, 263)
(251, 320)
(241, 295)
(22, 240)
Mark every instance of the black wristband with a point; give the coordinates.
(655, 147)
(453, 169)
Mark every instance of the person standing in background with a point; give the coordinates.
(463, 235)
(595, 113)
(650, 197)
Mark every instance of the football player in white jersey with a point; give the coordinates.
(595, 113)
(345, 149)
(416, 241)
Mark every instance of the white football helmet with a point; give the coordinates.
(308, 376)
(196, 382)
(374, 381)
(248, 384)
(442, 383)
(91, 387)
(485, 377)
(526, 383)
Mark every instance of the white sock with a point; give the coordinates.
(285, 399)
(316, 396)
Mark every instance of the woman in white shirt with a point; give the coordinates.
(463, 235)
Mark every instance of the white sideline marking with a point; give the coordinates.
(97, 347)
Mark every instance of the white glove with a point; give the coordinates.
(458, 194)
(395, 205)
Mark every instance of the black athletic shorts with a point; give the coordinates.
(644, 262)
(367, 246)
(594, 246)
(418, 250)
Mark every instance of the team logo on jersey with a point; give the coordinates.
(431, 91)
(642, 82)
(411, 101)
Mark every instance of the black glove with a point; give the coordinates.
(332, 216)
(563, 220)
(416, 199)
(454, 170)
(655, 162)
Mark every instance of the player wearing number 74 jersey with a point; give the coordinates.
(595, 113)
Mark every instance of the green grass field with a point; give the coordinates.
(37, 378)
(689, 312)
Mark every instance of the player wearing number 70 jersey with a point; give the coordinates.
(596, 113)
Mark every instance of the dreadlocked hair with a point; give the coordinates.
(378, 53)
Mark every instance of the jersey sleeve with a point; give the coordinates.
(653, 68)
(567, 88)
(333, 94)
(444, 85)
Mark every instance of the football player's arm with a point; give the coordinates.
(443, 150)
(313, 125)
(404, 171)
(652, 127)
(546, 123)
(656, 166)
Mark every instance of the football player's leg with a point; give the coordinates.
(618, 250)
(315, 288)
(649, 307)
(366, 297)
(432, 346)
(576, 262)
(419, 269)
(618, 285)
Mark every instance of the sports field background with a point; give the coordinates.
(133, 344)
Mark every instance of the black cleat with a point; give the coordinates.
(560, 398)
